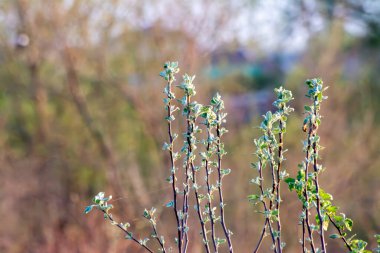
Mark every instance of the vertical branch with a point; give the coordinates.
(274, 197)
(186, 191)
(169, 70)
(185, 210)
(191, 111)
(190, 141)
(40, 99)
(309, 189)
(220, 118)
(325, 210)
(103, 143)
(314, 119)
(283, 97)
(278, 190)
(209, 190)
(221, 200)
(266, 209)
(34, 57)
(315, 166)
(304, 248)
(266, 146)
(305, 207)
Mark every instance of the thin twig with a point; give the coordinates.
(306, 208)
(223, 222)
(158, 238)
(274, 186)
(340, 233)
(210, 212)
(109, 216)
(315, 150)
(174, 187)
(304, 250)
(185, 209)
(280, 158)
(190, 131)
(261, 236)
(266, 209)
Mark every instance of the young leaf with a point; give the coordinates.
(170, 204)
(88, 209)
(334, 236)
(225, 172)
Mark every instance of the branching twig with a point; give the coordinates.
(266, 147)
(270, 150)
(266, 210)
(159, 240)
(129, 234)
(340, 233)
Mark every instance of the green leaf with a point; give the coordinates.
(301, 175)
(256, 180)
(98, 198)
(324, 195)
(331, 209)
(253, 197)
(348, 222)
(358, 245)
(166, 146)
(334, 236)
(377, 236)
(325, 225)
(146, 214)
(163, 74)
(290, 181)
(274, 212)
(307, 108)
(170, 204)
(220, 241)
(129, 236)
(216, 99)
(88, 209)
(225, 172)
(339, 220)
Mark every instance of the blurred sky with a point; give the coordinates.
(273, 25)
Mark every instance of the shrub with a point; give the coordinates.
(203, 150)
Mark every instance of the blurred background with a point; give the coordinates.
(81, 110)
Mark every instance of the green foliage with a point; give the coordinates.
(269, 153)
(307, 185)
(205, 152)
(100, 202)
